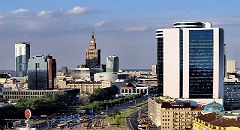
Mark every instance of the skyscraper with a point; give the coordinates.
(41, 72)
(231, 66)
(93, 55)
(112, 64)
(22, 55)
(190, 60)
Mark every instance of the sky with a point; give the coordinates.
(125, 28)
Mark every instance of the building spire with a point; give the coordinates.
(92, 33)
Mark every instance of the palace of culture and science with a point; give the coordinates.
(93, 55)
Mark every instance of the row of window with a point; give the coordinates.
(23, 93)
(134, 90)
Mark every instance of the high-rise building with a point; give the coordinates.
(231, 66)
(93, 55)
(190, 60)
(154, 69)
(22, 55)
(41, 72)
(112, 64)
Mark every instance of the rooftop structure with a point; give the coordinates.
(213, 107)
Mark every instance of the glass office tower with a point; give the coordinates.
(22, 55)
(190, 59)
(41, 72)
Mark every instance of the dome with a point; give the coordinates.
(213, 107)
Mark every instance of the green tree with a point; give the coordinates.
(114, 113)
(100, 94)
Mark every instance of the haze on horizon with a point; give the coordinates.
(122, 28)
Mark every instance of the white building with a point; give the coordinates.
(110, 76)
(190, 62)
(231, 66)
(112, 64)
(154, 69)
(106, 76)
(22, 55)
(80, 74)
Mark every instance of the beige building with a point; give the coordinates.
(231, 66)
(217, 121)
(168, 114)
(93, 55)
(89, 86)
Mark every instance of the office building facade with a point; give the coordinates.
(232, 95)
(93, 55)
(112, 64)
(231, 66)
(22, 55)
(190, 60)
(41, 72)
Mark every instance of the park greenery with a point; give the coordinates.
(104, 98)
(118, 118)
(44, 105)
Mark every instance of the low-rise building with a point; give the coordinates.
(215, 121)
(88, 86)
(110, 76)
(168, 114)
(131, 89)
(14, 95)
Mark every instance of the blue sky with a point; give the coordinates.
(126, 28)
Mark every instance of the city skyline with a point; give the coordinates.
(122, 28)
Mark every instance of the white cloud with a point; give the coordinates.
(46, 14)
(78, 10)
(18, 11)
(135, 29)
(99, 24)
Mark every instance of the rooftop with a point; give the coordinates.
(217, 120)
(213, 107)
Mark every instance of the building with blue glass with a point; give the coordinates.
(22, 55)
(190, 60)
(41, 72)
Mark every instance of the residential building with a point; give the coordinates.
(41, 72)
(22, 55)
(93, 55)
(216, 121)
(112, 64)
(192, 54)
(168, 114)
